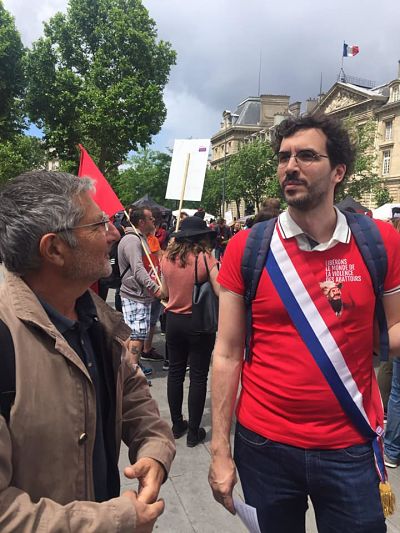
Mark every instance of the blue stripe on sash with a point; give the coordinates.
(313, 344)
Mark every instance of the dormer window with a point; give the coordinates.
(395, 93)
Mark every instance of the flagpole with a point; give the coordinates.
(344, 42)
(178, 220)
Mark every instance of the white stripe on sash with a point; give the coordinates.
(315, 320)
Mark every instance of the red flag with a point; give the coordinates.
(104, 196)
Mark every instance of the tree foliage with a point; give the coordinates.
(146, 172)
(11, 76)
(212, 191)
(20, 154)
(365, 177)
(250, 172)
(97, 77)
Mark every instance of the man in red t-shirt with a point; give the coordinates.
(293, 440)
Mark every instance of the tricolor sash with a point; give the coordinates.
(323, 335)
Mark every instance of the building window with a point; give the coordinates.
(388, 130)
(395, 93)
(386, 162)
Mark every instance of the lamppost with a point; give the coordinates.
(227, 115)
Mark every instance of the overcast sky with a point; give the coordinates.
(219, 42)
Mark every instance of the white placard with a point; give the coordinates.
(228, 217)
(198, 150)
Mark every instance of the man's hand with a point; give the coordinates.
(146, 514)
(160, 294)
(150, 474)
(222, 478)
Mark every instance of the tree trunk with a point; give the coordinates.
(238, 207)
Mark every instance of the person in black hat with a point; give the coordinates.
(191, 242)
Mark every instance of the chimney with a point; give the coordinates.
(311, 103)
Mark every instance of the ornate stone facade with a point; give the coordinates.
(255, 117)
(382, 105)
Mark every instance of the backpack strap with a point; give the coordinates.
(7, 374)
(253, 261)
(369, 242)
(373, 252)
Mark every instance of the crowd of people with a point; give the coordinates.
(292, 358)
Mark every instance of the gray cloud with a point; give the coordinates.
(218, 43)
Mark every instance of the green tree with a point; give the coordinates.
(20, 154)
(146, 172)
(365, 177)
(382, 196)
(212, 191)
(11, 76)
(97, 77)
(249, 172)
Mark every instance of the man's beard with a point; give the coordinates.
(307, 200)
(87, 268)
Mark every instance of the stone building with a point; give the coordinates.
(382, 105)
(254, 117)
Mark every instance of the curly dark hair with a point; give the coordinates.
(340, 148)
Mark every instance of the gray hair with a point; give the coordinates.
(33, 204)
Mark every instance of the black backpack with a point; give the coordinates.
(113, 281)
(369, 243)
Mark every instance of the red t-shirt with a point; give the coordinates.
(284, 395)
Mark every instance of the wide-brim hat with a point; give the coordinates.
(193, 227)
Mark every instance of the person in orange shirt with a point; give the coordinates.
(149, 353)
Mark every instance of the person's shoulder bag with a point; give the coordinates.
(204, 303)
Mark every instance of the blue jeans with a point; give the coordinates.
(276, 479)
(392, 436)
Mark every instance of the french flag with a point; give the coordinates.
(350, 51)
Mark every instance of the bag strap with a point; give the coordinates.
(207, 269)
(371, 246)
(369, 243)
(7, 374)
(196, 278)
(125, 271)
(254, 257)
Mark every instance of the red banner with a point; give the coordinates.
(104, 196)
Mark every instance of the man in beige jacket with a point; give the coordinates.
(77, 389)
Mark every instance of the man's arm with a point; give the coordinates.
(148, 437)
(391, 304)
(133, 252)
(226, 369)
(125, 514)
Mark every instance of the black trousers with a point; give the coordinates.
(185, 346)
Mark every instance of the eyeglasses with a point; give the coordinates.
(303, 158)
(105, 221)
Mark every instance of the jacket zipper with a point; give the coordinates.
(86, 408)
